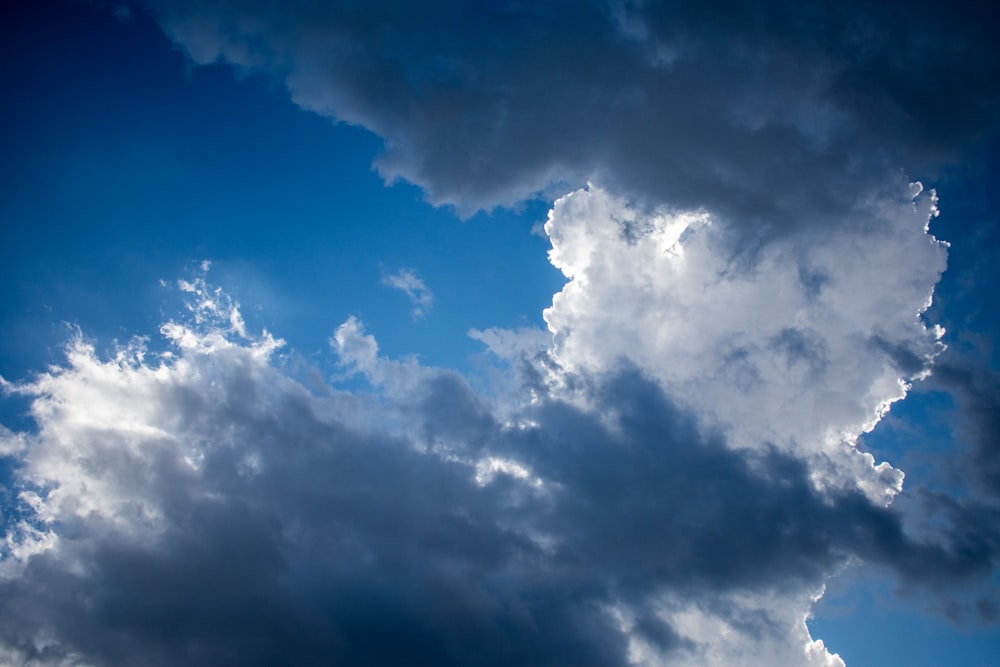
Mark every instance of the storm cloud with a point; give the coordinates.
(770, 114)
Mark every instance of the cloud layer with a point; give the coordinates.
(774, 113)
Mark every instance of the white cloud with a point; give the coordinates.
(358, 353)
(800, 347)
(406, 281)
(357, 350)
(602, 524)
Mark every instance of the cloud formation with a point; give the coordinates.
(804, 350)
(201, 506)
(772, 114)
(977, 392)
(673, 473)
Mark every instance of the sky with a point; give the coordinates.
(499, 333)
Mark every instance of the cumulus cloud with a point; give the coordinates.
(200, 506)
(771, 114)
(674, 472)
(802, 351)
(407, 282)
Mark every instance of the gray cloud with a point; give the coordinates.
(771, 113)
(976, 390)
(748, 518)
(212, 510)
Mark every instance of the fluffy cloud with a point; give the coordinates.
(485, 103)
(200, 506)
(802, 350)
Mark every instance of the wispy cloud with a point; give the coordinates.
(406, 281)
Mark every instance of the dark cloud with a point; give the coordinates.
(976, 390)
(767, 112)
(908, 362)
(332, 545)
(298, 539)
(748, 518)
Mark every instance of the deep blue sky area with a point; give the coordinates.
(123, 165)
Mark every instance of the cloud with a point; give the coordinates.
(976, 390)
(766, 115)
(792, 351)
(674, 472)
(407, 282)
(201, 506)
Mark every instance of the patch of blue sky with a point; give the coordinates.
(116, 183)
(869, 624)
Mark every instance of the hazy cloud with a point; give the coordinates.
(407, 282)
(977, 392)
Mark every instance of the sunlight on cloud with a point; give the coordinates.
(669, 471)
(635, 501)
(799, 350)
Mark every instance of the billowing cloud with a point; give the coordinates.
(801, 351)
(772, 113)
(673, 471)
(200, 506)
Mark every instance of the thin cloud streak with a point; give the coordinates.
(407, 282)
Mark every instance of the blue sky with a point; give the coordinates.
(153, 176)
(713, 212)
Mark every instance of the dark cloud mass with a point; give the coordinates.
(228, 516)
(762, 112)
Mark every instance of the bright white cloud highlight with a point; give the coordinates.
(801, 346)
